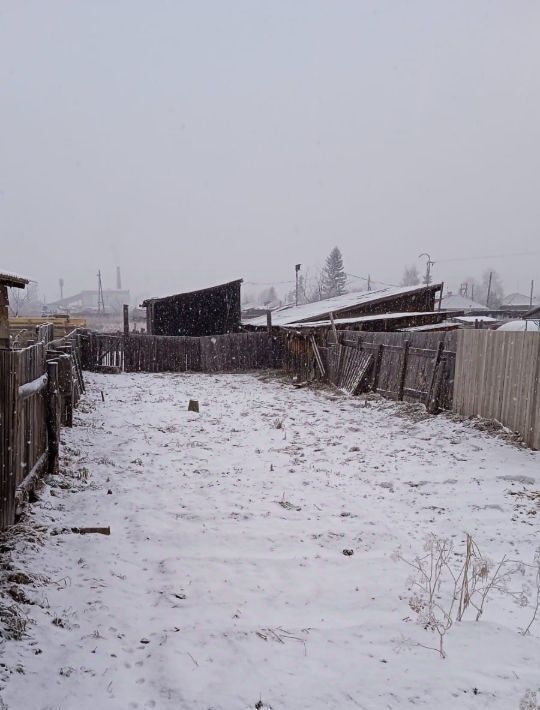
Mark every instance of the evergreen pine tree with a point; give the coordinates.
(334, 277)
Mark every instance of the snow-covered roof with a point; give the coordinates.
(472, 319)
(444, 325)
(8, 278)
(363, 319)
(454, 301)
(319, 309)
(520, 325)
(519, 299)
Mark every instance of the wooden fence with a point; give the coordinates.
(498, 377)
(415, 367)
(163, 353)
(39, 385)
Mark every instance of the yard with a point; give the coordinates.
(251, 557)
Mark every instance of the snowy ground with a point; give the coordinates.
(211, 594)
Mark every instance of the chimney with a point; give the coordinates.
(118, 279)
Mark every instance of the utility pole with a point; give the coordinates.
(61, 284)
(429, 264)
(297, 271)
(489, 288)
(369, 282)
(532, 294)
(100, 299)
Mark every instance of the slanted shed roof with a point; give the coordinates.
(13, 280)
(359, 300)
(201, 291)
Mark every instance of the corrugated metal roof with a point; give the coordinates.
(317, 310)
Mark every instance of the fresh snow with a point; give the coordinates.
(223, 584)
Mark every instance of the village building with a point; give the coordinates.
(210, 311)
(518, 303)
(87, 302)
(534, 313)
(458, 302)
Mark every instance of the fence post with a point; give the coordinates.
(432, 404)
(377, 368)
(125, 345)
(403, 373)
(53, 418)
(533, 425)
(436, 364)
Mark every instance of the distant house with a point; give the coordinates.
(521, 325)
(251, 309)
(7, 280)
(86, 302)
(380, 309)
(209, 311)
(457, 302)
(534, 313)
(518, 303)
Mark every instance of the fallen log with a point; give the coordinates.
(88, 531)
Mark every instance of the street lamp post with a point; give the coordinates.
(429, 264)
(297, 270)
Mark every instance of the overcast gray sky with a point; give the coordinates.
(192, 142)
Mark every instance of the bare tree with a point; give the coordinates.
(483, 291)
(24, 300)
(410, 277)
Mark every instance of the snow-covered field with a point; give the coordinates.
(224, 585)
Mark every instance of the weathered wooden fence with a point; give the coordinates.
(39, 385)
(498, 377)
(163, 353)
(238, 351)
(415, 367)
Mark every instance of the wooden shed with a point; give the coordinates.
(355, 305)
(7, 280)
(210, 311)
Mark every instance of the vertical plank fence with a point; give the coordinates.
(498, 377)
(32, 407)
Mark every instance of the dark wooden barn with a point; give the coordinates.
(210, 311)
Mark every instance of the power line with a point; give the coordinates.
(267, 283)
(489, 256)
(370, 280)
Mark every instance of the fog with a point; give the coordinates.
(194, 142)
